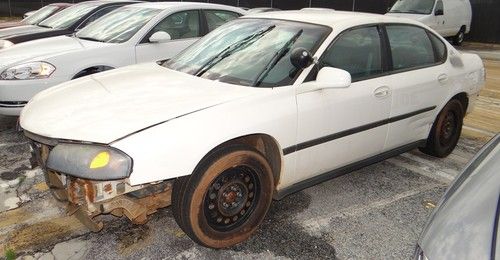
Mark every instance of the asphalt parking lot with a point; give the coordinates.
(377, 212)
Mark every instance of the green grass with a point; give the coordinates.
(10, 254)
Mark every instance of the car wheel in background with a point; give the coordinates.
(226, 198)
(446, 130)
(459, 38)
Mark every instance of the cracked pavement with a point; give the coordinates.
(376, 212)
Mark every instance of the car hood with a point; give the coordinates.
(10, 24)
(104, 107)
(416, 17)
(40, 50)
(21, 30)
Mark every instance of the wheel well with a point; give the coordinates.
(265, 144)
(463, 28)
(464, 100)
(92, 70)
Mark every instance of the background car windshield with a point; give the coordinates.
(68, 16)
(119, 25)
(40, 15)
(413, 6)
(246, 48)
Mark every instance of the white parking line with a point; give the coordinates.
(316, 224)
(437, 175)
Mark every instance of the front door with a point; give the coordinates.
(337, 127)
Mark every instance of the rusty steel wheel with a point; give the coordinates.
(445, 131)
(224, 201)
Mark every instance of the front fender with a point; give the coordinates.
(174, 148)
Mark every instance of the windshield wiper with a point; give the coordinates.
(276, 58)
(44, 26)
(89, 39)
(229, 50)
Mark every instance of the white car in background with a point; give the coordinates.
(264, 106)
(131, 34)
(450, 18)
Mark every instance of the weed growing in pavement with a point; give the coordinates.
(10, 254)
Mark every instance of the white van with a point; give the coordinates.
(450, 18)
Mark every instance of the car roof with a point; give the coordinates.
(330, 17)
(165, 5)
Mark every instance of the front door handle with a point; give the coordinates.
(443, 78)
(382, 92)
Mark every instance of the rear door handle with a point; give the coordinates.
(443, 78)
(382, 92)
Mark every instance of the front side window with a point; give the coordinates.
(181, 25)
(410, 47)
(69, 16)
(216, 18)
(413, 6)
(440, 48)
(249, 52)
(40, 15)
(439, 7)
(118, 26)
(357, 51)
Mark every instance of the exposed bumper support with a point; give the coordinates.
(88, 199)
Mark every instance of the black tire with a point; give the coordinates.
(226, 198)
(459, 38)
(445, 131)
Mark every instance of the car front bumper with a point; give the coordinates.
(87, 199)
(14, 94)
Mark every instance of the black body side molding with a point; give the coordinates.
(346, 169)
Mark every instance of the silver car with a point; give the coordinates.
(465, 225)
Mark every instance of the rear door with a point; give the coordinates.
(184, 28)
(419, 82)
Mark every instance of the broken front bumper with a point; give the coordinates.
(87, 199)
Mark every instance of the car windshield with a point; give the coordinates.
(68, 16)
(249, 52)
(118, 26)
(40, 15)
(413, 6)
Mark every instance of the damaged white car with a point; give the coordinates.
(262, 107)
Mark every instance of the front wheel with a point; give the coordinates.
(445, 131)
(226, 198)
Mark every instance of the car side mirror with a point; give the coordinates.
(159, 37)
(439, 12)
(301, 58)
(329, 77)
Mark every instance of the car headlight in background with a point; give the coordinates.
(5, 44)
(32, 70)
(93, 162)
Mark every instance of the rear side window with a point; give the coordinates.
(216, 18)
(357, 51)
(410, 47)
(440, 48)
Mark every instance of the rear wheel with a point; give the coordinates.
(226, 198)
(445, 131)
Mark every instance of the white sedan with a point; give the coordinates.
(262, 107)
(132, 34)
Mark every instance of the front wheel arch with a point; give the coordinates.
(92, 70)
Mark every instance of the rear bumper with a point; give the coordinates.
(12, 108)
